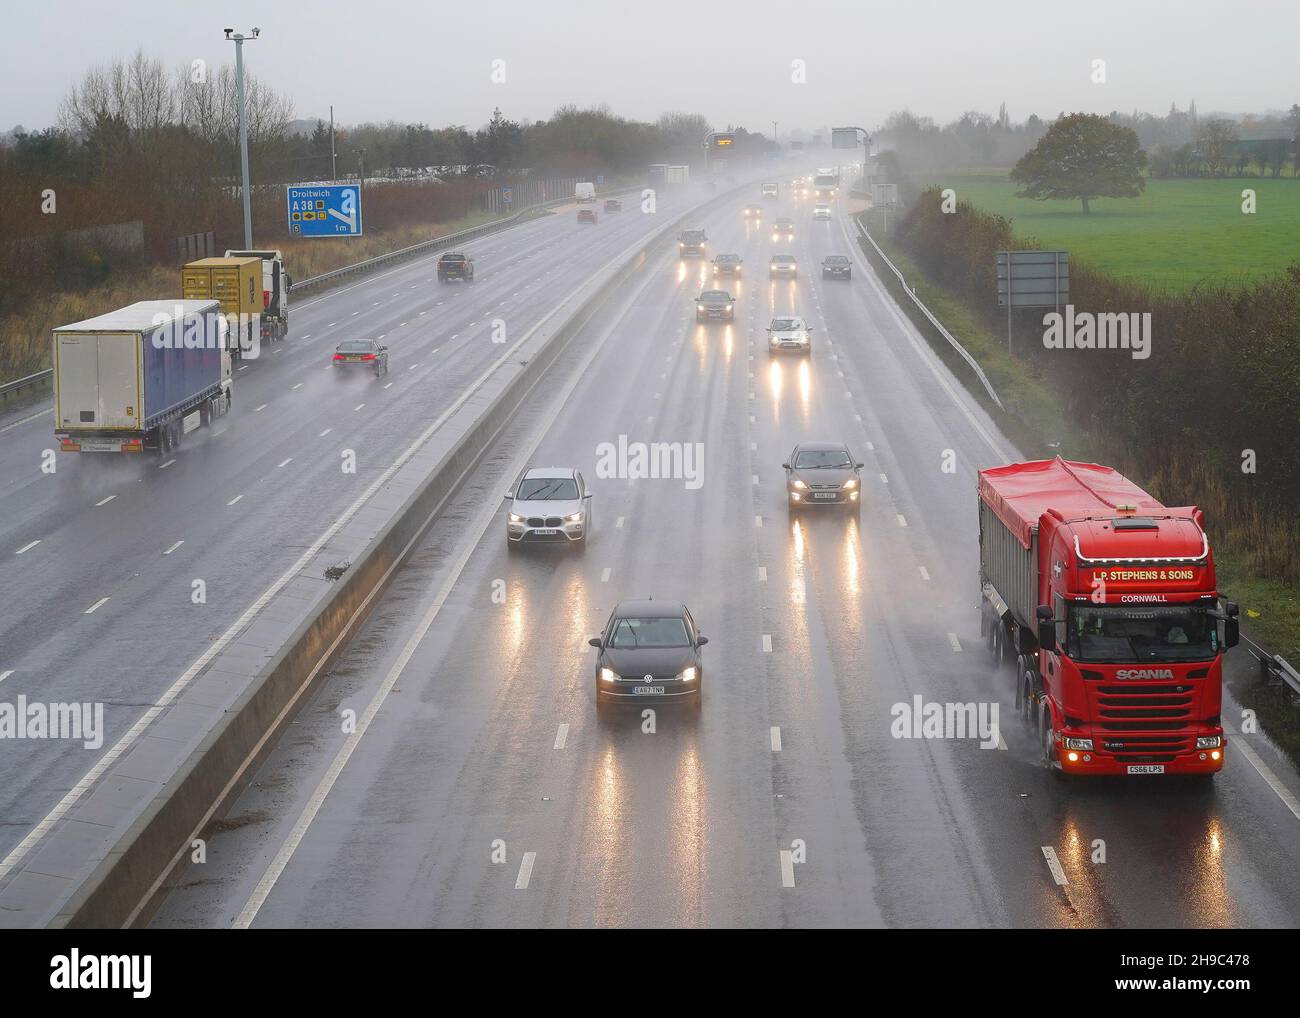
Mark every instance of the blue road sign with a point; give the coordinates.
(324, 210)
(507, 195)
(600, 178)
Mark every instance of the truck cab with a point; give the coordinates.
(1108, 601)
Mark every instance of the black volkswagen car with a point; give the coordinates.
(837, 267)
(650, 650)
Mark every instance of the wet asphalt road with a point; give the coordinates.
(486, 791)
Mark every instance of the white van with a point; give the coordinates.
(585, 192)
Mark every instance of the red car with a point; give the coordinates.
(613, 205)
(586, 215)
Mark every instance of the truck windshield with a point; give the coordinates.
(1115, 633)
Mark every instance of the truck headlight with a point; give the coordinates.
(1083, 744)
(1209, 742)
(607, 676)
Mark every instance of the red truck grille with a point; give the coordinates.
(1146, 702)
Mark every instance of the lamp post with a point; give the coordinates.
(239, 39)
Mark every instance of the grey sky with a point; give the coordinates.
(431, 61)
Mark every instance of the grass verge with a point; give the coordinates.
(1031, 419)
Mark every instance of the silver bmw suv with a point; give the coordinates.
(550, 505)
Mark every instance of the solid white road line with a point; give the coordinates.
(164, 466)
(618, 525)
(1265, 772)
(776, 738)
(487, 516)
(604, 575)
(767, 643)
(5, 674)
(561, 736)
(1054, 864)
(28, 547)
(234, 500)
(525, 871)
(902, 520)
(762, 574)
(25, 420)
(97, 604)
(787, 868)
(105, 501)
(925, 573)
(173, 547)
(284, 463)
(956, 643)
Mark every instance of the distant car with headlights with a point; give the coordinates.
(353, 354)
(783, 229)
(753, 211)
(822, 211)
(715, 306)
(822, 474)
(586, 215)
(454, 265)
(837, 267)
(789, 333)
(691, 244)
(649, 650)
(727, 264)
(550, 505)
(613, 204)
(782, 265)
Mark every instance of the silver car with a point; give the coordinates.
(551, 505)
(789, 332)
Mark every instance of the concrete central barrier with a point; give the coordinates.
(105, 861)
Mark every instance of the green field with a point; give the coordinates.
(1177, 234)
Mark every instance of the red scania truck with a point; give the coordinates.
(1106, 599)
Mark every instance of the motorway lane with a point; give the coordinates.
(686, 826)
(245, 498)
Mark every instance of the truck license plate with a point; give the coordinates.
(100, 445)
(1146, 768)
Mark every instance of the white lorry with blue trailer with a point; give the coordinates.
(141, 378)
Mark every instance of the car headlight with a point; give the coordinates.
(1209, 742)
(687, 674)
(1083, 744)
(850, 484)
(608, 676)
(798, 484)
(516, 518)
(573, 518)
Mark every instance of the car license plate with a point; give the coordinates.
(825, 494)
(1146, 768)
(545, 531)
(648, 690)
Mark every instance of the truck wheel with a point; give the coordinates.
(1025, 697)
(1046, 734)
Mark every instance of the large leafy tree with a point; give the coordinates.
(1081, 157)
